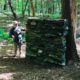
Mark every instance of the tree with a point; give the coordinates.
(69, 12)
(5, 5)
(32, 7)
(12, 9)
(24, 9)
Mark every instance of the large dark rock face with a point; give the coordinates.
(46, 42)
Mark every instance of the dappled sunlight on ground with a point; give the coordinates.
(6, 76)
(3, 67)
(8, 50)
(23, 51)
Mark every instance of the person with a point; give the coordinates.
(16, 34)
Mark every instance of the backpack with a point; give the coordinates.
(11, 32)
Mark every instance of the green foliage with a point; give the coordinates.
(5, 36)
(42, 7)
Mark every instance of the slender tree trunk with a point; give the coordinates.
(69, 12)
(23, 12)
(5, 5)
(12, 9)
(32, 7)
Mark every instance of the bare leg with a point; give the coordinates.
(19, 50)
(15, 49)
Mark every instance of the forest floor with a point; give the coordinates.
(21, 69)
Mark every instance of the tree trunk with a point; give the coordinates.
(5, 5)
(69, 12)
(23, 11)
(12, 10)
(32, 7)
(74, 16)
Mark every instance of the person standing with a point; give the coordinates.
(16, 34)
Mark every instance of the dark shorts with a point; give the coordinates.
(17, 44)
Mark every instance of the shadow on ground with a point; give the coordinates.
(21, 69)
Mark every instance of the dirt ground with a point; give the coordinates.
(21, 69)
